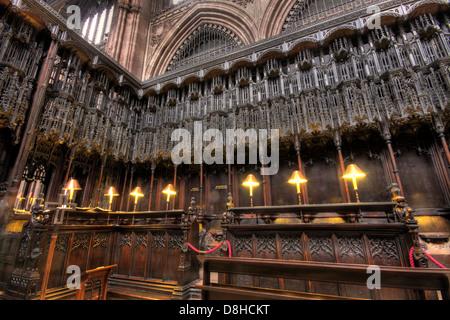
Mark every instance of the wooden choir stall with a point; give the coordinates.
(146, 252)
(305, 251)
(316, 252)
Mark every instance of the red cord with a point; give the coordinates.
(411, 259)
(212, 250)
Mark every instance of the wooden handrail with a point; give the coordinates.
(353, 274)
(102, 274)
(351, 211)
(98, 216)
(317, 208)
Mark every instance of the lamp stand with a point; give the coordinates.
(355, 186)
(299, 194)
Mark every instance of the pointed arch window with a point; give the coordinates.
(207, 41)
(97, 27)
(307, 12)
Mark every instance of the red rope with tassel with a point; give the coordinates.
(212, 250)
(411, 259)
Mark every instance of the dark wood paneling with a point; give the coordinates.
(218, 191)
(175, 243)
(373, 187)
(158, 248)
(393, 278)
(284, 193)
(266, 248)
(79, 250)
(321, 249)
(125, 245)
(140, 249)
(383, 244)
(292, 247)
(100, 248)
(419, 179)
(58, 272)
(323, 183)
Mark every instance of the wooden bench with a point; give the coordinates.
(350, 274)
(96, 279)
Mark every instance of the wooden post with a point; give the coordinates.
(130, 188)
(264, 189)
(440, 130)
(338, 144)
(181, 194)
(32, 120)
(267, 191)
(207, 189)
(297, 146)
(151, 186)
(124, 188)
(201, 190)
(69, 167)
(48, 263)
(102, 168)
(230, 187)
(158, 194)
(235, 187)
(174, 186)
(388, 139)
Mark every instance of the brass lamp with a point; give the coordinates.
(251, 182)
(169, 191)
(298, 178)
(137, 193)
(71, 187)
(354, 172)
(112, 192)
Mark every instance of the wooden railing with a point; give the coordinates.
(350, 212)
(98, 216)
(96, 279)
(343, 274)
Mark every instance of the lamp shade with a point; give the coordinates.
(169, 190)
(137, 192)
(112, 192)
(353, 172)
(297, 177)
(72, 185)
(250, 181)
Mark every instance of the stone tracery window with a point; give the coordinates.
(207, 41)
(307, 12)
(97, 27)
